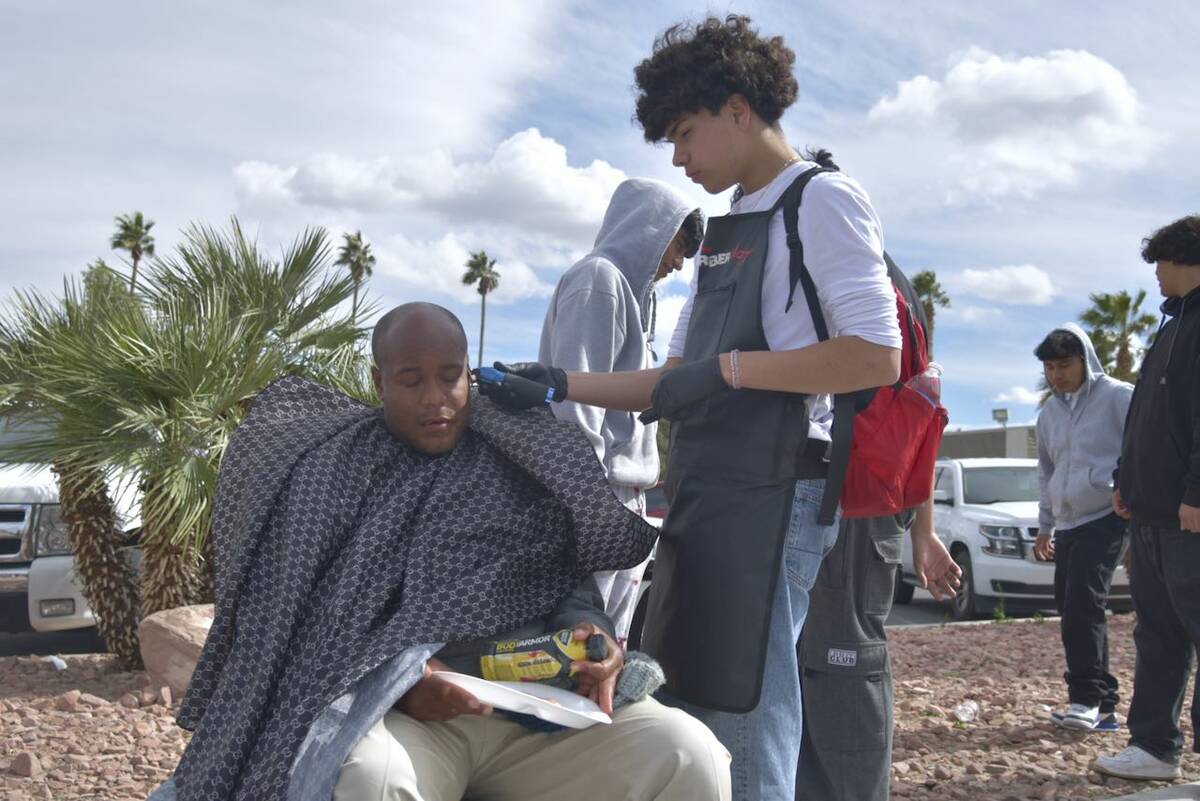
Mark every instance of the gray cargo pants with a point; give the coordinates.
(846, 752)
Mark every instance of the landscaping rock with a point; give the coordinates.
(68, 701)
(26, 764)
(171, 642)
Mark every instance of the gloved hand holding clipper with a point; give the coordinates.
(522, 385)
(681, 387)
(525, 385)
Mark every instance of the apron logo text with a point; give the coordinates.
(738, 255)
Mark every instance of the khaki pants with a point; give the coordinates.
(649, 752)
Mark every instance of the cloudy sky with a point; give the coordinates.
(1019, 149)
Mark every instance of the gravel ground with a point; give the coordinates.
(1011, 752)
(95, 732)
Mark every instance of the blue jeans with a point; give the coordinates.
(765, 743)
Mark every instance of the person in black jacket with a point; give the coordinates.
(1157, 485)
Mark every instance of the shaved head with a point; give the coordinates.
(414, 322)
(420, 373)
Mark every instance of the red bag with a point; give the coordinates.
(885, 440)
(896, 437)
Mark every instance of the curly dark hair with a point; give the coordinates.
(700, 67)
(1178, 242)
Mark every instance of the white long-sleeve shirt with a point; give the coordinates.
(843, 250)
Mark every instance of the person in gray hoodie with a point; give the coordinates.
(1079, 434)
(601, 320)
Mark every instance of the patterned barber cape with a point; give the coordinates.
(336, 550)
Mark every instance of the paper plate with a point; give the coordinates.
(548, 703)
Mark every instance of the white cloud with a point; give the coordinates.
(263, 182)
(527, 182)
(1016, 126)
(971, 315)
(1022, 396)
(1015, 285)
(437, 267)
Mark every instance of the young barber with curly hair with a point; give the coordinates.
(747, 387)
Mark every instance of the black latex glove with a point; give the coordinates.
(526, 385)
(553, 377)
(680, 387)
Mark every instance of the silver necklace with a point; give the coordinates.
(738, 195)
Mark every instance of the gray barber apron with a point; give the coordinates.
(734, 461)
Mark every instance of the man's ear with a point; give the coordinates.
(467, 376)
(377, 380)
(739, 110)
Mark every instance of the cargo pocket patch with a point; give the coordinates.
(841, 657)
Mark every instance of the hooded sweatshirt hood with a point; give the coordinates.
(642, 218)
(1079, 444)
(601, 318)
(1093, 369)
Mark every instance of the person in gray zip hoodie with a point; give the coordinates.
(602, 319)
(1079, 434)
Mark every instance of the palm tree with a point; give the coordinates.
(31, 334)
(229, 321)
(932, 295)
(160, 386)
(482, 275)
(133, 235)
(355, 255)
(1115, 321)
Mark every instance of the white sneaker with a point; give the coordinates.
(1135, 763)
(1107, 722)
(1077, 716)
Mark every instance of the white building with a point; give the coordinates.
(1015, 441)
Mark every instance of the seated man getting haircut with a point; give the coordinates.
(351, 544)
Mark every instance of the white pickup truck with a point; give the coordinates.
(986, 513)
(38, 588)
(34, 550)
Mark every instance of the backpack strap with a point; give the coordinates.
(789, 201)
(914, 322)
(844, 405)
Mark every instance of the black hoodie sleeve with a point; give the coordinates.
(584, 605)
(1191, 481)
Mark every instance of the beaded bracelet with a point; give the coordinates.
(734, 373)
